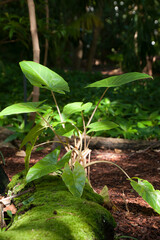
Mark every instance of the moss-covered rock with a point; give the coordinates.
(52, 213)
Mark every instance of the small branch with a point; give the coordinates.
(60, 115)
(84, 133)
(53, 131)
(90, 138)
(8, 41)
(96, 106)
(45, 143)
(125, 202)
(2, 221)
(89, 164)
(7, 199)
(7, 1)
(30, 96)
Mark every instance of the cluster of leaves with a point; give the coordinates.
(72, 165)
(134, 121)
(132, 107)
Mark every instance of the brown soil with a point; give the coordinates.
(134, 217)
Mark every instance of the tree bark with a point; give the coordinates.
(46, 40)
(148, 68)
(35, 42)
(78, 55)
(96, 33)
(93, 48)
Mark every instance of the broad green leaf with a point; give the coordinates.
(67, 131)
(44, 166)
(47, 165)
(30, 141)
(75, 107)
(116, 81)
(18, 108)
(101, 126)
(64, 160)
(33, 134)
(29, 148)
(146, 190)
(9, 213)
(74, 180)
(43, 77)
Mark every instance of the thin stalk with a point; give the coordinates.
(89, 164)
(84, 132)
(53, 131)
(96, 107)
(60, 115)
(79, 144)
(90, 137)
(45, 143)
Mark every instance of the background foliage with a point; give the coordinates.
(129, 31)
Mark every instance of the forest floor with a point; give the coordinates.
(134, 217)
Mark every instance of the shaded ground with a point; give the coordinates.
(134, 217)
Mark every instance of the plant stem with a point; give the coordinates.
(89, 164)
(53, 131)
(45, 143)
(84, 132)
(96, 106)
(60, 115)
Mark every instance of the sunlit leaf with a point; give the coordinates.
(43, 77)
(19, 108)
(74, 180)
(44, 166)
(33, 134)
(146, 190)
(47, 165)
(119, 80)
(66, 131)
(101, 126)
(64, 160)
(75, 107)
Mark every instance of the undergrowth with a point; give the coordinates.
(135, 107)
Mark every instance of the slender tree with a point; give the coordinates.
(46, 39)
(35, 42)
(96, 34)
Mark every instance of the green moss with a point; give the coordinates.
(18, 182)
(53, 213)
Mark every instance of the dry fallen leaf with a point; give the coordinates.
(11, 208)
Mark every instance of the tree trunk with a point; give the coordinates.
(93, 48)
(78, 55)
(46, 40)
(52, 210)
(148, 68)
(96, 33)
(35, 42)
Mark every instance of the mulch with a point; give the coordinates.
(134, 217)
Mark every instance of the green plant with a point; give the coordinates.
(72, 165)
